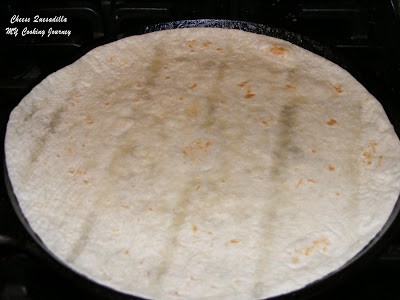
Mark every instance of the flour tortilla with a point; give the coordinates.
(203, 164)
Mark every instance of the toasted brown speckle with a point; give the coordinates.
(299, 182)
(191, 43)
(331, 167)
(331, 122)
(318, 245)
(196, 151)
(370, 154)
(192, 109)
(265, 122)
(77, 171)
(89, 120)
(243, 84)
(291, 87)
(278, 50)
(249, 94)
(68, 150)
(338, 88)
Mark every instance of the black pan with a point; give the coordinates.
(36, 247)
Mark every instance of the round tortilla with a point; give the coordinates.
(203, 164)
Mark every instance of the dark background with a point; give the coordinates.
(363, 36)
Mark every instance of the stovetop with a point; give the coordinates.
(364, 34)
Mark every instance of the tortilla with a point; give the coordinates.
(203, 164)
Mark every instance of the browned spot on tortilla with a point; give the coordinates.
(167, 77)
(380, 158)
(89, 120)
(338, 88)
(265, 122)
(295, 260)
(299, 182)
(321, 240)
(234, 241)
(181, 98)
(370, 154)
(192, 109)
(337, 194)
(197, 187)
(243, 84)
(207, 44)
(331, 167)
(191, 43)
(291, 87)
(312, 180)
(318, 245)
(77, 171)
(85, 181)
(331, 122)
(126, 252)
(68, 150)
(196, 151)
(249, 94)
(107, 103)
(111, 59)
(194, 228)
(278, 50)
(194, 84)
(218, 49)
(313, 150)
